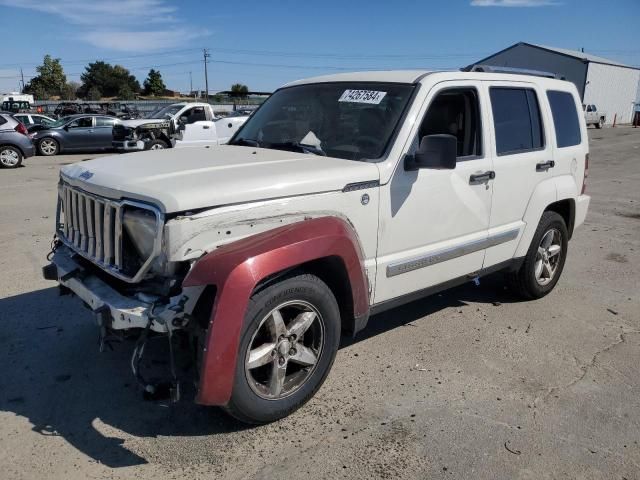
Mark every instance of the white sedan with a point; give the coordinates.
(29, 119)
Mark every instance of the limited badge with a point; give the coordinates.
(364, 199)
(86, 175)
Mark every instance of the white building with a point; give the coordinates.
(612, 86)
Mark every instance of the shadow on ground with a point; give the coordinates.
(55, 377)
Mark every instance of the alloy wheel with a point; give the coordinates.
(284, 350)
(9, 157)
(48, 147)
(548, 256)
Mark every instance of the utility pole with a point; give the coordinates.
(22, 76)
(206, 76)
(190, 84)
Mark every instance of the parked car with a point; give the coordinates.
(64, 109)
(15, 144)
(30, 119)
(594, 117)
(73, 133)
(342, 196)
(176, 125)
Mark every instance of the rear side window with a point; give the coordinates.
(2, 120)
(565, 118)
(517, 120)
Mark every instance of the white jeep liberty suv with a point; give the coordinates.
(340, 197)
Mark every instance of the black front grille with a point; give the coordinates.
(121, 133)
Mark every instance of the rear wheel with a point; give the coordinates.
(48, 147)
(157, 145)
(10, 157)
(599, 124)
(288, 345)
(545, 259)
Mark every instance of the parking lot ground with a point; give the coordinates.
(468, 384)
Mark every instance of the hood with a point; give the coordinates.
(141, 121)
(188, 179)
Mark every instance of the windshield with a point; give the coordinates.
(60, 122)
(165, 112)
(354, 120)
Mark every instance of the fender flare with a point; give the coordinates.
(237, 268)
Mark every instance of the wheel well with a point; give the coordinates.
(333, 272)
(567, 210)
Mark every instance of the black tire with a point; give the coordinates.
(524, 281)
(48, 146)
(156, 144)
(246, 404)
(10, 157)
(598, 125)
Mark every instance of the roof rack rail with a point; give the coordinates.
(513, 70)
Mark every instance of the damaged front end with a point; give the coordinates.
(109, 253)
(129, 138)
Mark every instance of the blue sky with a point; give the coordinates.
(265, 44)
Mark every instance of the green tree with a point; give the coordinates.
(50, 80)
(154, 85)
(93, 93)
(108, 79)
(239, 90)
(125, 93)
(70, 91)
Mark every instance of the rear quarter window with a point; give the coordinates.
(565, 118)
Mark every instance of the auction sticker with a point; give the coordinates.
(362, 96)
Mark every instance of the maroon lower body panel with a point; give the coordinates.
(237, 268)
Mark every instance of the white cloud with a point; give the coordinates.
(142, 41)
(513, 3)
(119, 25)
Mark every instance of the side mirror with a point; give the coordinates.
(66, 127)
(437, 152)
(183, 119)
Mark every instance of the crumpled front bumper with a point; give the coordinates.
(128, 145)
(119, 312)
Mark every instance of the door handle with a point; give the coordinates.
(90, 130)
(544, 166)
(482, 177)
(206, 127)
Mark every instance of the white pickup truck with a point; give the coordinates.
(594, 117)
(175, 125)
(341, 197)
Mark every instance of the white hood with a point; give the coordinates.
(180, 180)
(141, 121)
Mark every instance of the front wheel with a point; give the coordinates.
(600, 124)
(545, 259)
(156, 145)
(48, 147)
(288, 345)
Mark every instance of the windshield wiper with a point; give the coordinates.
(246, 141)
(302, 147)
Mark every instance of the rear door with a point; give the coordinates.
(522, 159)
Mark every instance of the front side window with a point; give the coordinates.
(455, 112)
(517, 121)
(84, 122)
(193, 115)
(565, 118)
(350, 120)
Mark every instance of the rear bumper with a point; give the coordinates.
(128, 145)
(582, 206)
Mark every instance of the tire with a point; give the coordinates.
(10, 157)
(301, 300)
(156, 145)
(48, 146)
(534, 279)
(599, 124)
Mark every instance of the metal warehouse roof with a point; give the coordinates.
(579, 55)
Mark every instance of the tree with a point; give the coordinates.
(94, 93)
(107, 79)
(154, 85)
(239, 90)
(70, 91)
(125, 93)
(50, 80)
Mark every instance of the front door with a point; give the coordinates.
(198, 128)
(79, 134)
(433, 223)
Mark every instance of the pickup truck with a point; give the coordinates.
(176, 125)
(593, 117)
(342, 196)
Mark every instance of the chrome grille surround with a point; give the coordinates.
(91, 226)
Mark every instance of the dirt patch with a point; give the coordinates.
(616, 257)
